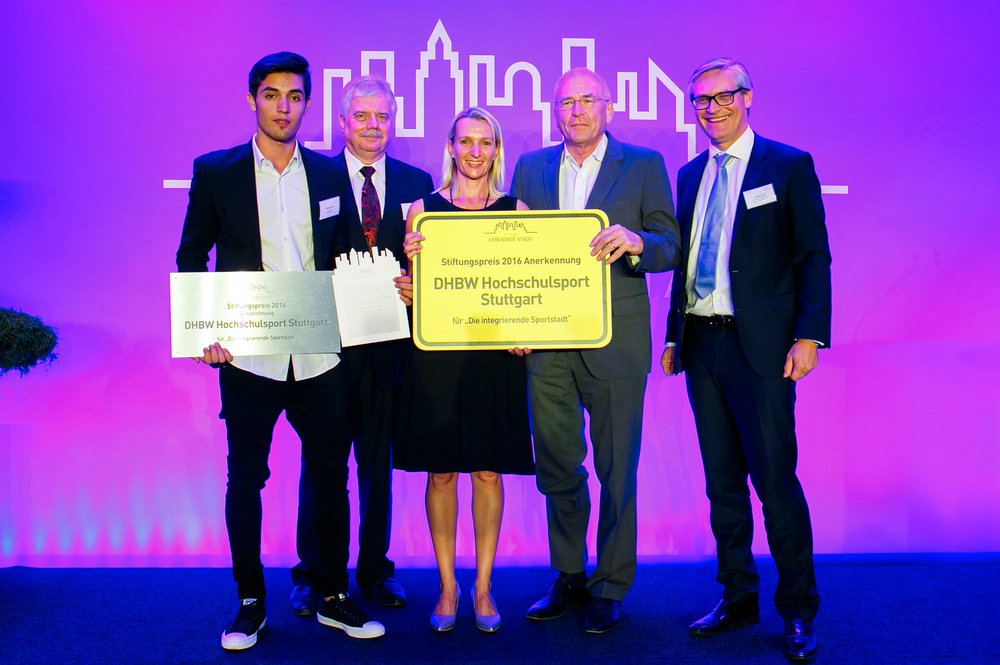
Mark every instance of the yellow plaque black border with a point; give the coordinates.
(425, 301)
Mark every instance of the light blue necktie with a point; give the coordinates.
(715, 219)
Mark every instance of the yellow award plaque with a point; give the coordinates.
(497, 280)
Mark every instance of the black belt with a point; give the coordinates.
(716, 321)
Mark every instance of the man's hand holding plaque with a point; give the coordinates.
(214, 355)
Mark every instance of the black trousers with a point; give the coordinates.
(746, 427)
(372, 409)
(316, 409)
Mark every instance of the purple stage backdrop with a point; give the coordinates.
(115, 454)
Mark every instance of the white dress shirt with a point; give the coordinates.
(358, 181)
(286, 245)
(720, 300)
(576, 181)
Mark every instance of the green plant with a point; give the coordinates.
(24, 341)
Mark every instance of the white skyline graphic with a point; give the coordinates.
(500, 91)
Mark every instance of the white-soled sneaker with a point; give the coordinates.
(341, 612)
(242, 632)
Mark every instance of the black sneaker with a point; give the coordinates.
(242, 632)
(342, 613)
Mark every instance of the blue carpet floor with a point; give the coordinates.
(875, 609)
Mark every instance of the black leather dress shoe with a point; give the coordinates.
(602, 615)
(800, 641)
(387, 592)
(304, 600)
(564, 594)
(726, 615)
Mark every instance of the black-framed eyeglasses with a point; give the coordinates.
(586, 102)
(722, 99)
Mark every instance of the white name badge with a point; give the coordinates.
(329, 207)
(759, 196)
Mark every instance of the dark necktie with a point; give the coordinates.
(715, 219)
(371, 211)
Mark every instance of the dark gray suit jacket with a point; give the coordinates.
(633, 189)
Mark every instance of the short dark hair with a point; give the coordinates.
(285, 61)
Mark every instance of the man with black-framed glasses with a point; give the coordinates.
(750, 306)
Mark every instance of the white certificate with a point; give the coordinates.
(253, 313)
(367, 303)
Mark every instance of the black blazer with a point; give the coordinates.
(779, 262)
(403, 184)
(222, 212)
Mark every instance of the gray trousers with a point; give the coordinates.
(559, 394)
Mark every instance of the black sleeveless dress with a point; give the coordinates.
(464, 411)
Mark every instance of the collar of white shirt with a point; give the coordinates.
(259, 160)
(597, 155)
(354, 164)
(740, 149)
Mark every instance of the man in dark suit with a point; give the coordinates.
(375, 185)
(266, 205)
(749, 307)
(593, 170)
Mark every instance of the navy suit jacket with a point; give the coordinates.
(779, 262)
(403, 184)
(222, 212)
(633, 189)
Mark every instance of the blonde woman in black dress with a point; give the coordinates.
(465, 411)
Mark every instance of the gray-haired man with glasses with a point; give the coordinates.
(593, 170)
(749, 307)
